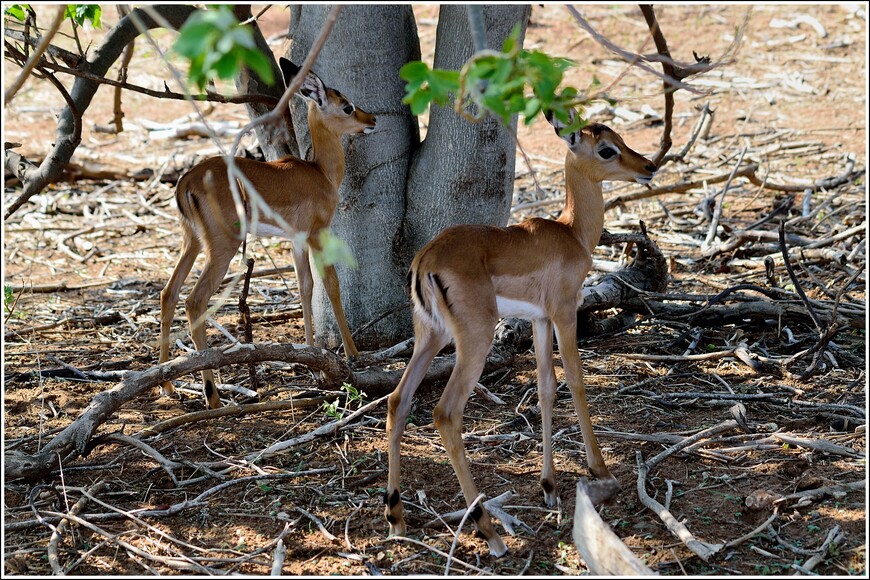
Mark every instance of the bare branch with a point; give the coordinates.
(10, 93)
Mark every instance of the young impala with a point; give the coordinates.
(303, 193)
(468, 276)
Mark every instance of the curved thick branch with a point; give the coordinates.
(76, 439)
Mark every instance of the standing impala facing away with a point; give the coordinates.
(468, 276)
(303, 193)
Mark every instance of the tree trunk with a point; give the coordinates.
(276, 142)
(398, 193)
(464, 172)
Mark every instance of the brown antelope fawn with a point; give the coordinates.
(303, 193)
(468, 276)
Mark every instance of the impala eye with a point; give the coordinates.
(606, 152)
(348, 110)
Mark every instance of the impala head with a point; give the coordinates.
(603, 154)
(338, 113)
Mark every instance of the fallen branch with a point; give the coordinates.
(603, 551)
(60, 529)
(495, 507)
(704, 550)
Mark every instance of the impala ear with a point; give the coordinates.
(573, 138)
(312, 87)
(288, 69)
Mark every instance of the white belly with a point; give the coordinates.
(267, 230)
(508, 307)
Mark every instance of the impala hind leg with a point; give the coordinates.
(606, 486)
(190, 248)
(472, 346)
(427, 343)
(214, 271)
(542, 331)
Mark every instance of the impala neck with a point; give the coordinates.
(326, 150)
(584, 206)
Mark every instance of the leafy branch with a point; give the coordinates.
(496, 83)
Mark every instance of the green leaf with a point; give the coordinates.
(17, 11)
(414, 70)
(333, 250)
(418, 101)
(194, 38)
(257, 61)
(79, 13)
(227, 66)
(218, 47)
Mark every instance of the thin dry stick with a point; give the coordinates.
(35, 57)
(440, 553)
(720, 204)
(229, 411)
(347, 526)
(318, 523)
(64, 523)
(321, 431)
(457, 531)
(167, 465)
(245, 312)
(177, 563)
(629, 56)
(753, 533)
(278, 558)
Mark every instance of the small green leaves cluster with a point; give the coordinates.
(354, 395)
(513, 81)
(217, 46)
(16, 11)
(333, 250)
(78, 13)
(8, 298)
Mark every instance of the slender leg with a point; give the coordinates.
(330, 283)
(427, 344)
(543, 335)
(306, 287)
(566, 332)
(215, 269)
(190, 248)
(472, 345)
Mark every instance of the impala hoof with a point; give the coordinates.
(397, 529)
(497, 547)
(551, 498)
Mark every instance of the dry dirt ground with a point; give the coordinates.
(795, 97)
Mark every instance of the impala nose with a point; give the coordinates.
(651, 168)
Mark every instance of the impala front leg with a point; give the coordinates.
(542, 330)
(607, 486)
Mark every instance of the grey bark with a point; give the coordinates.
(464, 172)
(362, 58)
(275, 142)
(84, 90)
(397, 192)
